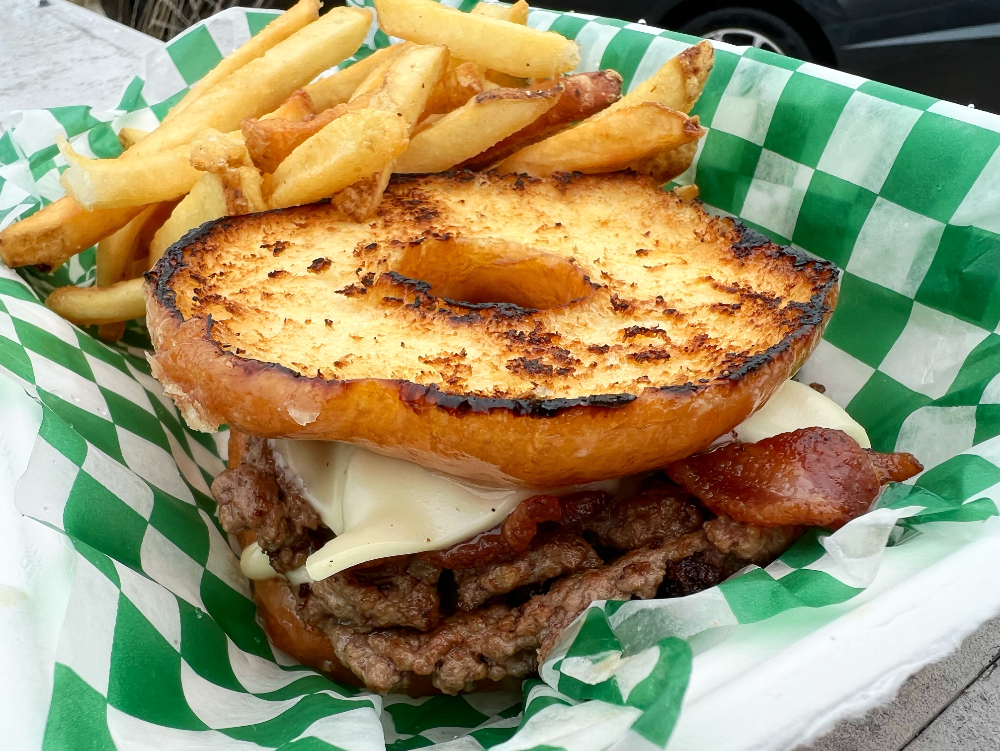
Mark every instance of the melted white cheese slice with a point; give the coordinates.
(256, 566)
(380, 507)
(795, 406)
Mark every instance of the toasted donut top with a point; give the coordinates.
(511, 290)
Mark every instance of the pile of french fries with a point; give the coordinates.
(477, 90)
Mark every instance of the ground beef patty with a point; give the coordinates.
(493, 607)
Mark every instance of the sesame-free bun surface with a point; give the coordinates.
(545, 332)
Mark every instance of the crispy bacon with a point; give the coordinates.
(814, 476)
(894, 467)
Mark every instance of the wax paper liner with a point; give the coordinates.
(158, 646)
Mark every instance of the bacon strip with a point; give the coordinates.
(815, 476)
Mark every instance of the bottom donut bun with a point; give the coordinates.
(276, 606)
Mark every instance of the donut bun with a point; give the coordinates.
(501, 328)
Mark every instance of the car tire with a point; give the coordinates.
(750, 27)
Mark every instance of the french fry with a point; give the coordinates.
(409, 81)
(667, 165)
(263, 84)
(347, 150)
(687, 193)
(492, 43)
(339, 87)
(64, 228)
(426, 122)
(471, 129)
(516, 13)
(111, 332)
(607, 144)
(94, 306)
(124, 255)
(299, 15)
(244, 192)
(497, 78)
(226, 155)
(60, 230)
(403, 91)
(584, 94)
(140, 259)
(129, 137)
(114, 263)
(677, 84)
(212, 151)
(298, 107)
(359, 201)
(456, 87)
(269, 142)
(115, 252)
(118, 183)
(205, 202)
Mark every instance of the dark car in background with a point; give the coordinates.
(948, 50)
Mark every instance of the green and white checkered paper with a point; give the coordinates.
(160, 648)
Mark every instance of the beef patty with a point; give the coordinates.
(493, 606)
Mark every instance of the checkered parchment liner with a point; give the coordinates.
(160, 648)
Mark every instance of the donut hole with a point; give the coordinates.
(477, 271)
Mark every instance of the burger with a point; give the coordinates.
(457, 425)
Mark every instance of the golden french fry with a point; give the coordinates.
(140, 260)
(456, 87)
(264, 83)
(212, 151)
(687, 193)
(471, 129)
(408, 83)
(117, 183)
(114, 263)
(60, 230)
(299, 15)
(492, 43)
(115, 252)
(609, 143)
(205, 202)
(359, 201)
(347, 150)
(426, 123)
(339, 87)
(111, 332)
(667, 165)
(269, 142)
(128, 137)
(226, 155)
(584, 94)
(298, 107)
(497, 78)
(405, 78)
(516, 13)
(244, 194)
(90, 306)
(677, 84)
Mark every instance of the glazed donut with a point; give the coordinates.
(501, 328)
